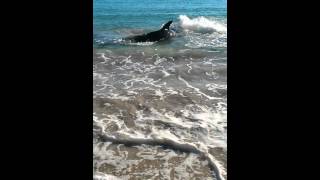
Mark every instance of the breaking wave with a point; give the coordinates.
(201, 24)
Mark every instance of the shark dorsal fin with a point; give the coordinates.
(166, 26)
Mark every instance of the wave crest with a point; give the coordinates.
(201, 24)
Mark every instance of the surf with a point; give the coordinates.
(201, 24)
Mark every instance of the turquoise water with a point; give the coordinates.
(110, 14)
(160, 108)
(114, 18)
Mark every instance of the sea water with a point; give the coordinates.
(160, 109)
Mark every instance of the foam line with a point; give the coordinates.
(170, 144)
(196, 89)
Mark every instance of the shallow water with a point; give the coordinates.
(160, 109)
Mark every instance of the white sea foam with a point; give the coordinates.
(197, 89)
(101, 176)
(201, 24)
(188, 125)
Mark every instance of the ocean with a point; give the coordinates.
(160, 108)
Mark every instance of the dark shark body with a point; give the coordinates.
(162, 34)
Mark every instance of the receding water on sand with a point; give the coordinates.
(160, 109)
